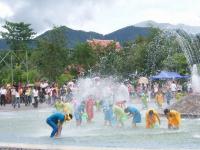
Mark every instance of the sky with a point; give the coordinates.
(102, 16)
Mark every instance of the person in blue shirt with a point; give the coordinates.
(56, 121)
(79, 111)
(133, 112)
(108, 115)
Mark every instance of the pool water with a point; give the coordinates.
(29, 127)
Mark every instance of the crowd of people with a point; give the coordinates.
(31, 94)
(115, 112)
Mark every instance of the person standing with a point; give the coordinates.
(90, 109)
(168, 96)
(35, 97)
(108, 114)
(79, 111)
(12, 95)
(17, 98)
(173, 89)
(144, 98)
(3, 92)
(159, 98)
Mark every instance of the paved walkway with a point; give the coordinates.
(9, 107)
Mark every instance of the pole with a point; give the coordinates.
(11, 63)
(26, 67)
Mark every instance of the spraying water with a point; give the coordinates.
(107, 89)
(195, 79)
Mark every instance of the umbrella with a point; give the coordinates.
(143, 80)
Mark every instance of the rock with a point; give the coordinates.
(188, 106)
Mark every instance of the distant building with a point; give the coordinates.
(104, 43)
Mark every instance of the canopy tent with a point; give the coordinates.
(164, 75)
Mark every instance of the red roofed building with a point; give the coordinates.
(104, 43)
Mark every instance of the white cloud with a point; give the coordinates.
(102, 16)
(5, 10)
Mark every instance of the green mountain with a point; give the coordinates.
(74, 37)
(129, 33)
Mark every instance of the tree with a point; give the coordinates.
(109, 60)
(17, 35)
(177, 62)
(51, 56)
(84, 55)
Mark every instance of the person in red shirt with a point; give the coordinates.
(90, 108)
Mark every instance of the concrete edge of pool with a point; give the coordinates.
(19, 146)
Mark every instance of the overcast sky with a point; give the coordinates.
(102, 16)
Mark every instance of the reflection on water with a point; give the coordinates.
(30, 127)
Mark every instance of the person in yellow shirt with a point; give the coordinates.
(67, 108)
(152, 118)
(59, 105)
(174, 118)
(159, 99)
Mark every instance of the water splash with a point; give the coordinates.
(168, 42)
(107, 89)
(195, 79)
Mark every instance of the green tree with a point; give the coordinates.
(109, 60)
(177, 62)
(17, 35)
(51, 56)
(84, 55)
(135, 56)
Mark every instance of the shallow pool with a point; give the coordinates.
(29, 127)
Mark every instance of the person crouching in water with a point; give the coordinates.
(119, 115)
(173, 117)
(152, 118)
(56, 121)
(133, 112)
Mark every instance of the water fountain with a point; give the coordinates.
(189, 105)
(195, 79)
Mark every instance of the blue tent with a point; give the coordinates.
(164, 75)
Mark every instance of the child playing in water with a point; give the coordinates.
(98, 105)
(121, 104)
(90, 109)
(133, 112)
(168, 96)
(59, 105)
(174, 118)
(67, 108)
(108, 115)
(56, 121)
(119, 115)
(159, 98)
(144, 98)
(152, 118)
(79, 110)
